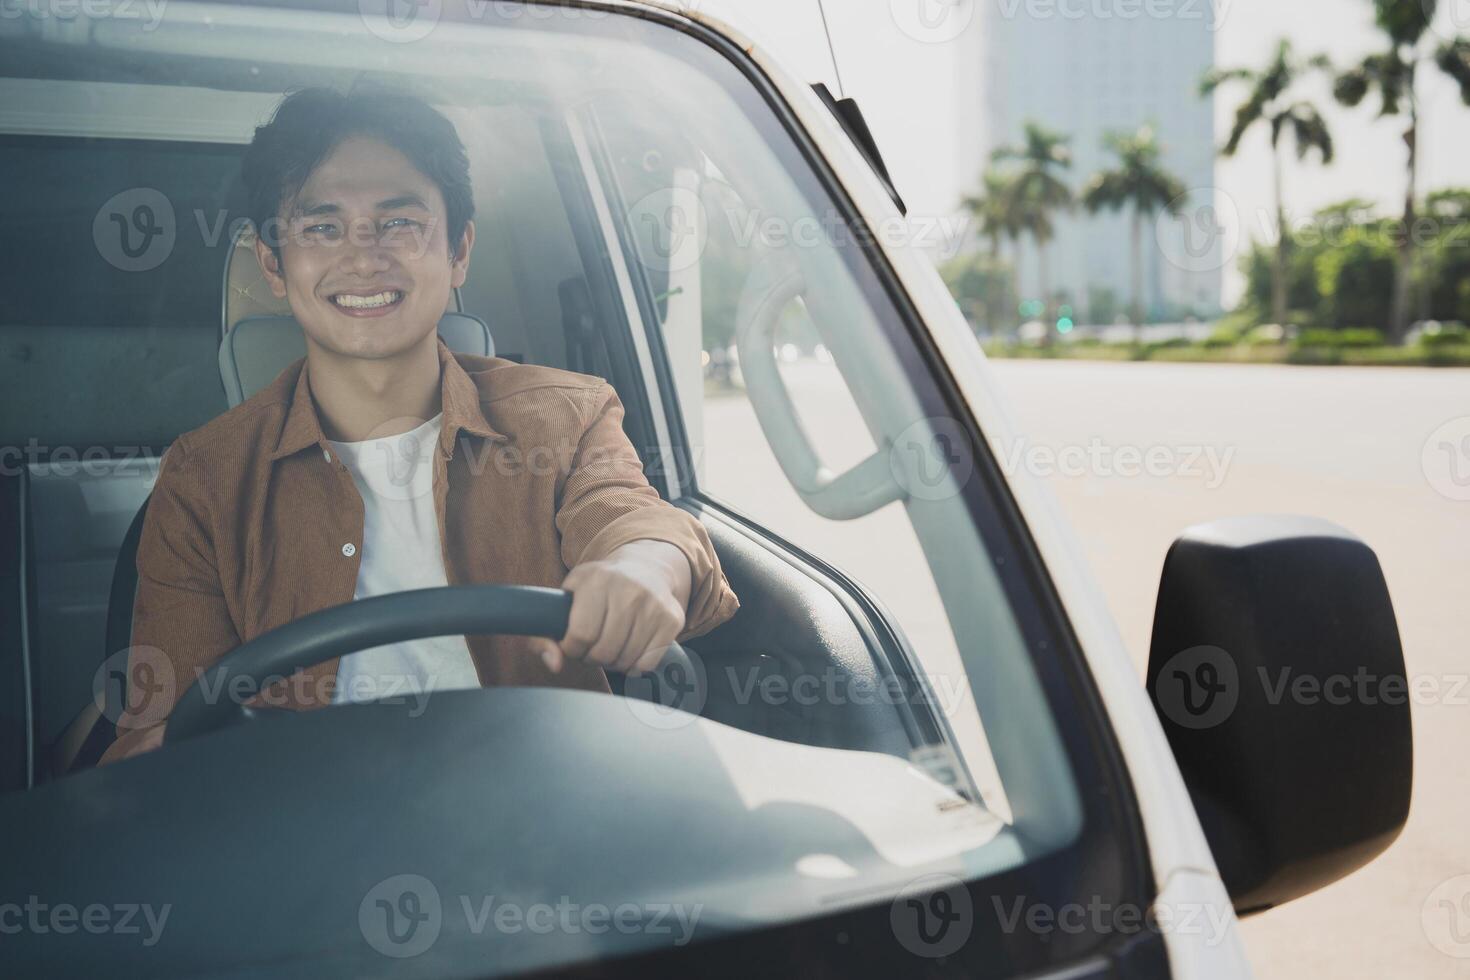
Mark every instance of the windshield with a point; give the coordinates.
(642, 215)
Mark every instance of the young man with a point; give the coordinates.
(383, 462)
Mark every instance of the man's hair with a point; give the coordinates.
(310, 123)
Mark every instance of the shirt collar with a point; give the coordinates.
(458, 393)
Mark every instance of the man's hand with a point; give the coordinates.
(626, 608)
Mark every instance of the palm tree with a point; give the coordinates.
(991, 208)
(1392, 74)
(999, 221)
(1036, 192)
(1140, 182)
(1270, 104)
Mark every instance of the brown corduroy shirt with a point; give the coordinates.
(254, 523)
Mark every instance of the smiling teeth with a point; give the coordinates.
(367, 302)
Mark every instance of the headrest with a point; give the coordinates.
(260, 338)
(261, 347)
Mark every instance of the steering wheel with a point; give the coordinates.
(518, 610)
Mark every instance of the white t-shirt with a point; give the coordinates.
(400, 551)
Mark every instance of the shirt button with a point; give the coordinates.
(349, 549)
(327, 455)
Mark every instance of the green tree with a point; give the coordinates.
(1392, 73)
(1270, 103)
(1037, 191)
(1446, 264)
(1303, 301)
(999, 221)
(982, 285)
(992, 209)
(1141, 183)
(1354, 278)
(1450, 206)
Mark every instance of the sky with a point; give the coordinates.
(905, 73)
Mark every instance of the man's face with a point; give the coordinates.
(365, 259)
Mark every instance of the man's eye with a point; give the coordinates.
(327, 230)
(401, 223)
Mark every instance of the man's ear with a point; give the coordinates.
(270, 267)
(459, 265)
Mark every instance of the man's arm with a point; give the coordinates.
(643, 573)
(180, 621)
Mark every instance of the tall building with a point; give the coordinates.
(1084, 68)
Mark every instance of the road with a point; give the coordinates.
(1345, 444)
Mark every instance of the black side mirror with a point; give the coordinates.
(1277, 672)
